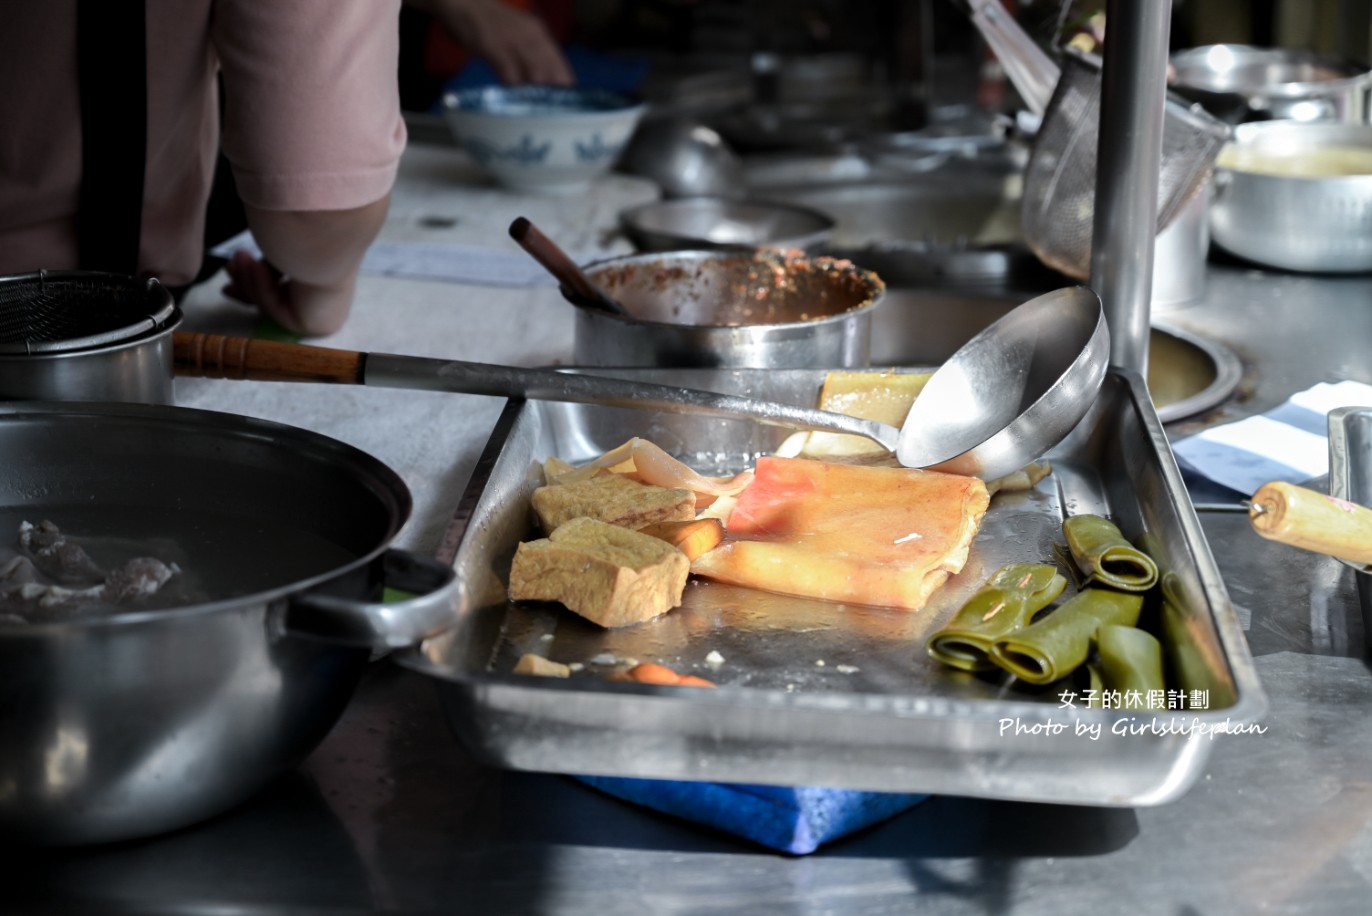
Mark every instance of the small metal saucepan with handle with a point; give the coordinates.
(123, 720)
(71, 335)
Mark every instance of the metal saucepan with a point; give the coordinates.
(85, 336)
(1296, 196)
(136, 719)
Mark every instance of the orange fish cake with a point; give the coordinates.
(888, 537)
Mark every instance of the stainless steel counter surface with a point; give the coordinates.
(390, 814)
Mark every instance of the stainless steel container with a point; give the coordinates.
(1180, 252)
(754, 309)
(141, 720)
(1350, 478)
(895, 721)
(1270, 208)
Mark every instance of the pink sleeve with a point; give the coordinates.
(312, 117)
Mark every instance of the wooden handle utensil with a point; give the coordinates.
(217, 356)
(1312, 521)
(558, 263)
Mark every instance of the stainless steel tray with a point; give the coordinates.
(818, 694)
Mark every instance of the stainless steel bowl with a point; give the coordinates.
(685, 158)
(144, 719)
(1242, 83)
(1265, 210)
(719, 222)
(756, 308)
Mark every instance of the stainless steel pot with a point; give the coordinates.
(1264, 213)
(735, 309)
(145, 720)
(1244, 83)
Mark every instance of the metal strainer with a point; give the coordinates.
(1058, 205)
(62, 311)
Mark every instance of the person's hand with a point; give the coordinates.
(307, 310)
(516, 44)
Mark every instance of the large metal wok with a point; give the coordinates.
(142, 719)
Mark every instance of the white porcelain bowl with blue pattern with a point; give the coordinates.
(543, 139)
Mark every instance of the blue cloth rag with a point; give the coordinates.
(1288, 443)
(797, 820)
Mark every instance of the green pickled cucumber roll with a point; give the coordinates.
(1058, 643)
(1130, 660)
(1008, 600)
(1103, 555)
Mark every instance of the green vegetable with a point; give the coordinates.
(1130, 660)
(1103, 555)
(1008, 600)
(1057, 644)
(1191, 644)
(1094, 685)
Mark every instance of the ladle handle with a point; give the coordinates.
(558, 263)
(1312, 521)
(245, 358)
(215, 356)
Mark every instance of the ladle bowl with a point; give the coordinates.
(1012, 392)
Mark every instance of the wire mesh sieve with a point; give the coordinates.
(69, 310)
(1058, 206)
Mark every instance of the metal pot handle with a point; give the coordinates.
(375, 624)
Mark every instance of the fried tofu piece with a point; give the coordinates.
(610, 575)
(614, 499)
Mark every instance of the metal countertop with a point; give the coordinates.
(390, 814)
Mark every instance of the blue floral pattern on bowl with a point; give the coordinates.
(525, 152)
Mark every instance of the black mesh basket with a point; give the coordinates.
(58, 311)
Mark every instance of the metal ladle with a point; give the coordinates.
(1007, 396)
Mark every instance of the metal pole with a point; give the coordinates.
(1128, 165)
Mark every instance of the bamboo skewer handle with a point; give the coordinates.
(1312, 521)
(244, 358)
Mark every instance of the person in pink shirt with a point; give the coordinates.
(100, 97)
